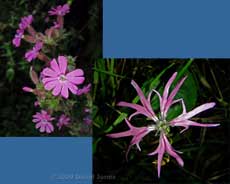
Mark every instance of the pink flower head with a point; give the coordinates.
(63, 121)
(161, 123)
(32, 54)
(60, 10)
(25, 22)
(17, 38)
(43, 122)
(137, 132)
(59, 81)
(164, 146)
(84, 90)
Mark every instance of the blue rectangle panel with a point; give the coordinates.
(166, 28)
(53, 160)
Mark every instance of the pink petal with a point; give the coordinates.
(196, 111)
(143, 100)
(36, 116)
(35, 120)
(166, 89)
(172, 95)
(51, 85)
(159, 160)
(55, 66)
(75, 73)
(140, 109)
(76, 80)
(49, 72)
(72, 88)
(49, 128)
(183, 105)
(56, 91)
(192, 123)
(62, 61)
(161, 152)
(64, 91)
(158, 94)
(141, 132)
(49, 79)
(38, 125)
(42, 129)
(153, 153)
(171, 152)
(44, 112)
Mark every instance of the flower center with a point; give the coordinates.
(62, 78)
(44, 121)
(162, 125)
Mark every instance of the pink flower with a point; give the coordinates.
(161, 124)
(17, 38)
(25, 22)
(59, 81)
(32, 54)
(63, 121)
(60, 10)
(43, 122)
(137, 132)
(84, 90)
(164, 146)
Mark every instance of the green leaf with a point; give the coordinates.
(10, 74)
(95, 144)
(116, 122)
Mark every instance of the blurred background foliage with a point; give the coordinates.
(205, 150)
(84, 41)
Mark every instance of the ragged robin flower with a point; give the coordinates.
(160, 123)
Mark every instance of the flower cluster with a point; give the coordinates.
(40, 39)
(160, 123)
(58, 80)
(32, 54)
(23, 25)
